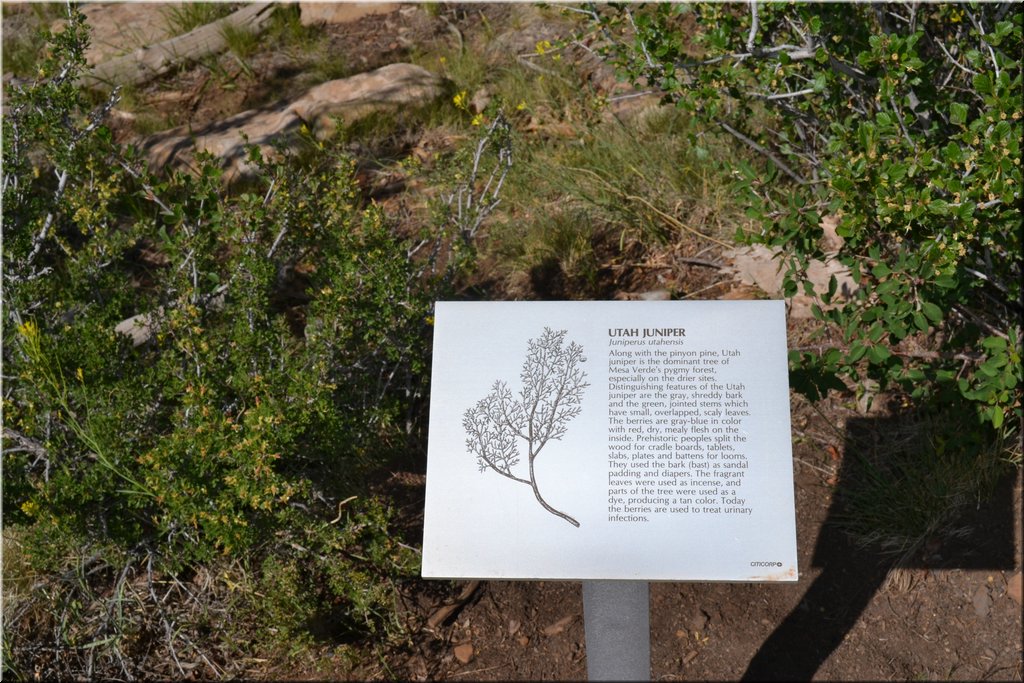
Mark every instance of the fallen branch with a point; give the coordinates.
(145, 64)
(438, 617)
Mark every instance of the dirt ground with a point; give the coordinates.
(947, 613)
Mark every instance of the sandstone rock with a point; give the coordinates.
(312, 13)
(464, 653)
(388, 88)
(531, 29)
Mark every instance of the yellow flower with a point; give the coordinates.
(477, 120)
(78, 374)
(29, 507)
(521, 106)
(543, 46)
(460, 100)
(28, 330)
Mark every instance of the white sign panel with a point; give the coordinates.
(610, 440)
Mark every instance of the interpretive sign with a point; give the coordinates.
(610, 440)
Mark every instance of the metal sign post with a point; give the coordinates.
(616, 619)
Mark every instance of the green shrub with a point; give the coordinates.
(280, 359)
(904, 122)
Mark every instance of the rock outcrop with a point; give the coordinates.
(388, 88)
(313, 13)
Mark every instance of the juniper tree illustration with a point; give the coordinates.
(552, 387)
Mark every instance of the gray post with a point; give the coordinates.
(616, 619)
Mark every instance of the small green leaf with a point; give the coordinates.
(833, 285)
(952, 153)
(857, 351)
(982, 83)
(920, 322)
(997, 416)
(878, 354)
(995, 344)
(933, 312)
(958, 113)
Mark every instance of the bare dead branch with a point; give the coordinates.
(781, 165)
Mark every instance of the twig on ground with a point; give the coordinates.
(439, 616)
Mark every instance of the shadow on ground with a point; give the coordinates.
(851, 574)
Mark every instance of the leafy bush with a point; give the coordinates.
(194, 376)
(902, 121)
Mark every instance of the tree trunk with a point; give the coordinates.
(544, 503)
